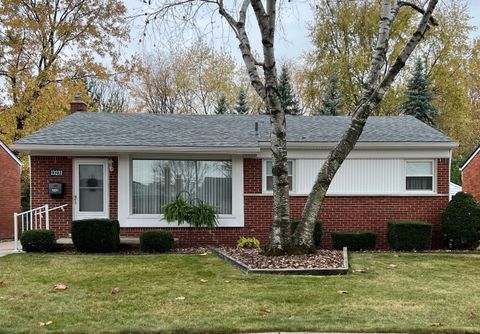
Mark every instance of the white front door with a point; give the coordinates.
(90, 189)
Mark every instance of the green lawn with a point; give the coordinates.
(425, 293)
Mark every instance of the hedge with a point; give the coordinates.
(156, 241)
(409, 235)
(38, 241)
(354, 241)
(96, 235)
(460, 224)
(317, 231)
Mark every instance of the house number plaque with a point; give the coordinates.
(56, 172)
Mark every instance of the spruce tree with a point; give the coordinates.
(222, 106)
(419, 96)
(288, 99)
(241, 106)
(331, 99)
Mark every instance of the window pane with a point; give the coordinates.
(215, 184)
(157, 182)
(91, 188)
(419, 168)
(91, 200)
(91, 175)
(268, 166)
(268, 173)
(270, 183)
(419, 183)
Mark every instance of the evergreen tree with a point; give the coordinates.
(288, 99)
(222, 106)
(331, 99)
(419, 96)
(241, 106)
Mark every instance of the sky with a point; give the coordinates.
(292, 40)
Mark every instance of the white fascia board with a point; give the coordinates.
(366, 145)
(102, 150)
(381, 153)
(470, 159)
(10, 153)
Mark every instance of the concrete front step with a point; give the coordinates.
(123, 240)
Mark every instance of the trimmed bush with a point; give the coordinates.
(156, 241)
(460, 225)
(354, 241)
(38, 241)
(317, 231)
(248, 242)
(96, 235)
(409, 235)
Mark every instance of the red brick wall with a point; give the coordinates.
(471, 177)
(350, 213)
(338, 212)
(60, 221)
(9, 193)
(443, 176)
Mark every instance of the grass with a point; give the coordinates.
(425, 293)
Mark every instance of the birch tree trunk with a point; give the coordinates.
(279, 239)
(373, 92)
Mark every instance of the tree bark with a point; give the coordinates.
(372, 94)
(280, 231)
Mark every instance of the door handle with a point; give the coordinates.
(75, 199)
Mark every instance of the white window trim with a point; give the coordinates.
(434, 177)
(127, 219)
(264, 177)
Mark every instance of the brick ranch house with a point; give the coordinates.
(471, 174)
(127, 166)
(10, 174)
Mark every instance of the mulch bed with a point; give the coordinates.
(254, 259)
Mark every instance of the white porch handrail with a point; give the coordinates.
(33, 219)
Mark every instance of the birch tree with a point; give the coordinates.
(263, 77)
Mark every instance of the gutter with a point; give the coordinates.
(365, 145)
(72, 149)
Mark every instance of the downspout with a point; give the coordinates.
(449, 174)
(29, 180)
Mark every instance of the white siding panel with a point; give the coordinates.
(356, 176)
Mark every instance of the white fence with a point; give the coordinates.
(34, 219)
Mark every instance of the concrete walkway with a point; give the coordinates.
(7, 247)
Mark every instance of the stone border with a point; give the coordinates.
(292, 271)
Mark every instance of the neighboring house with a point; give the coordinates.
(10, 197)
(454, 189)
(127, 166)
(471, 174)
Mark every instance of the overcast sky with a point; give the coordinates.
(292, 41)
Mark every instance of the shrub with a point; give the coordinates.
(96, 235)
(409, 235)
(38, 241)
(156, 241)
(354, 241)
(317, 231)
(248, 242)
(460, 225)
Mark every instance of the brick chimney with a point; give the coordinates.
(77, 104)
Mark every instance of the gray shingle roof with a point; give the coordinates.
(223, 131)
